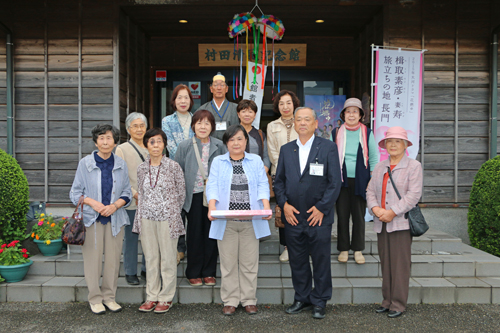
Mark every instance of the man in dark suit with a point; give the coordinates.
(306, 187)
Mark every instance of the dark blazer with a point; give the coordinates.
(304, 191)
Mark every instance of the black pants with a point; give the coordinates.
(202, 251)
(181, 243)
(304, 240)
(348, 204)
(281, 232)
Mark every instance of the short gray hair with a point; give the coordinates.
(305, 107)
(133, 116)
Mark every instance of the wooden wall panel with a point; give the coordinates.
(53, 34)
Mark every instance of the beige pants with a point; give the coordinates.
(239, 264)
(160, 252)
(98, 240)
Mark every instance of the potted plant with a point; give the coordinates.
(47, 234)
(14, 262)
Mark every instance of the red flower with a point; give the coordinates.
(24, 251)
(4, 245)
(25, 256)
(11, 244)
(1, 250)
(15, 242)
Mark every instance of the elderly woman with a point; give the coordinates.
(358, 155)
(102, 179)
(279, 132)
(202, 254)
(257, 143)
(238, 181)
(177, 127)
(133, 152)
(160, 183)
(390, 223)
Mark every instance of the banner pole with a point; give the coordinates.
(371, 91)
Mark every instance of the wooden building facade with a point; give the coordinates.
(82, 62)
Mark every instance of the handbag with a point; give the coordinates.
(202, 172)
(277, 217)
(418, 225)
(73, 232)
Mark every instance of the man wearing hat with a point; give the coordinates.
(224, 112)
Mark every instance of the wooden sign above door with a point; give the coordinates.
(224, 55)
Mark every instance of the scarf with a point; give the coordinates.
(288, 124)
(340, 140)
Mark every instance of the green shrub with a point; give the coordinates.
(484, 208)
(14, 195)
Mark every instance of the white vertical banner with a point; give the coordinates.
(255, 91)
(398, 95)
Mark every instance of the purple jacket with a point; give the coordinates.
(408, 177)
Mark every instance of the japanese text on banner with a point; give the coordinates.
(398, 95)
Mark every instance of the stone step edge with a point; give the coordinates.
(269, 291)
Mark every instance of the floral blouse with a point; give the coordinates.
(162, 193)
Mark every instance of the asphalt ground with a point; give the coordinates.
(77, 317)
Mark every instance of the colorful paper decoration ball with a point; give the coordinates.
(239, 22)
(274, 26)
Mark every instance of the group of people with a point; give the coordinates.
(218, 161)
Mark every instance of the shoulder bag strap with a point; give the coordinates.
(198, 159)
(137, 150)
(262, 138)
(392, 181)
(79, 208)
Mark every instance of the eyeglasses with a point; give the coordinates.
(219, 85)
(152, 142)
(136, 127)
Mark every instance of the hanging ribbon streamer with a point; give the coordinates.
(272, 91)
(248, 83)
(234, 81)
(241, 72)
(255, 52)
(263, 56)
(279, 76)
(238, 48)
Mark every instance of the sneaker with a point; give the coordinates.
(148, 306)
(358, 257)
(195, 282)
(284, 255)
(113, 306)
(98, 308)
(163, 307)
(343, 256)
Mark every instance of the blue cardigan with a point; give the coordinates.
(219, 188)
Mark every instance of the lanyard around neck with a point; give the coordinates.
(215, 108)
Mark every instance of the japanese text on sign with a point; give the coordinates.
(227, 54)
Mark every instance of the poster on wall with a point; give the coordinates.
(255, 91)
(398, 95)
(195, 88)
(327, 109)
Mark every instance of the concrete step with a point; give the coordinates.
(471, 263)
(269, 290)
(433, 242)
